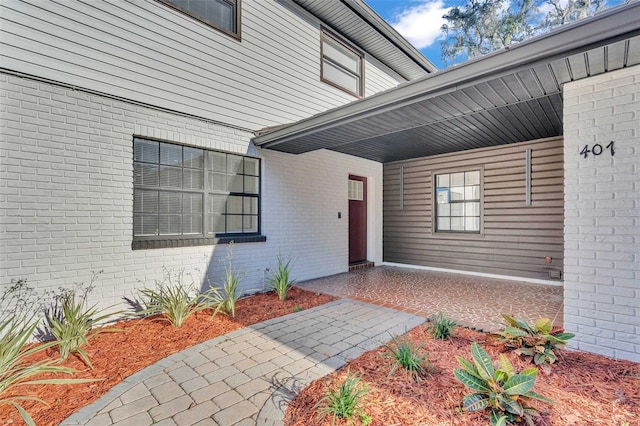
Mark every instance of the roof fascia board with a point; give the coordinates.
(612, 25)
(386, 30)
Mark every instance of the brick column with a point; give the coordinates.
(602, 213)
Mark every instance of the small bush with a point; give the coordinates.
(177, 301)
(280, 280)
(344, 400)
(441, 326)
(408, 356)
(230, 288)
(502, 391)
(70, 322)
(16, 371)
(537, 342)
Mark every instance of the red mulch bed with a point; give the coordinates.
(116, 356)
(588, 389)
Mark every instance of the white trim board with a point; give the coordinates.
(479, 274)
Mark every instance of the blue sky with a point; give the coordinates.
(419, 21)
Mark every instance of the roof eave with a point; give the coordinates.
(613, 24)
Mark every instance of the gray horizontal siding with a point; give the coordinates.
(515, 238)
(145, 51)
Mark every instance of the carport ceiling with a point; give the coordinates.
(509, 96)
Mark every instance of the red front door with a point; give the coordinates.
(357, 219)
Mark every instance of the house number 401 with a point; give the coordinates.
(597, 149)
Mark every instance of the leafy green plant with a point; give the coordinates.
(298, 309)
(537, 342)
(500, 390)
(71, 321)
(441, 326)
(280, 279)
(16, 370)
(344, 400)
(231, 294)
(176, 301)
(408, 356)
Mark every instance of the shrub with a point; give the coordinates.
(344, 400)
(441, 326)
(502, 391)
(230, 287)
(15, 370)
(70, 322)
(280, 280)
(537, 343)
(408, 356)
(178, 301)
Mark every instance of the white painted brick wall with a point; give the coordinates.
(602, 214)
(66, 195)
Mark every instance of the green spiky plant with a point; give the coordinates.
(175, 301)
(16, 370)
(230, 292)
(537, 342)
(71, 323)
(500, 390)
(441, 326)
(408, 356)
(280, 280)
(343, 400)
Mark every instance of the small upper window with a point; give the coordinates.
(458, 202)
(342, 66)
(223, 15)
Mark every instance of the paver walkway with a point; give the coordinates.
(247, 377)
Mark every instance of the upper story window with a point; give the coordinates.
(223, 15)
(181, 192)
(458, 202)
(342, 66)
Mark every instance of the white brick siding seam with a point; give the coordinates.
(602, 214)
(66, 197)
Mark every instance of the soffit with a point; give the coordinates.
(362, 26)
(507, 97)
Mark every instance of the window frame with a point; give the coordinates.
(207, 236)
(480, 200)
(324, 34)
(237, 8)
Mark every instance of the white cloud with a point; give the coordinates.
(421, 24)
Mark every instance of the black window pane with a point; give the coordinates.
(147, 151)
(217, 181)
(217, 203)
(193, 158)
(234, 223)
(234, 205)
(145, 225)
(170, 154)
(217, 161)
(171, 177)
(250, 224)
(145, 201)
(170, 202)
(146, 174)
(193, 179)
(251, 184)
(250, 205)
(251, 166)
(170, 224)
(217, 224)
(234, 183)
(234, 164)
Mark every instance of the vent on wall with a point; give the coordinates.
(555, 274)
